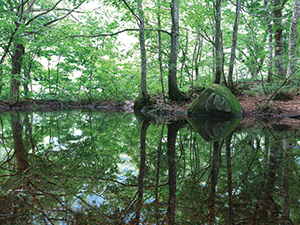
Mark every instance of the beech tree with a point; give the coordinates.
(292, 64)
(174, 92)
(25, 21)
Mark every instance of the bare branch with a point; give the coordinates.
(49, 10)
(56, 9)
(113, 34)
(131, 10)
(61, 18)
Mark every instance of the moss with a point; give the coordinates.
(216, 100)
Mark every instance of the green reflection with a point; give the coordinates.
(212, 128)
(110, 168)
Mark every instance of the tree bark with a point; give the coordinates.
(141, 23)
(278, 38)
(174, 92)
(270, 41)
(233, 46)
(17, 58)
(159, 52)
(218, 42)
(293, 39)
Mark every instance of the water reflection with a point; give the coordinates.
(105, 168)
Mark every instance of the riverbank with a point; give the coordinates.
(253, 106)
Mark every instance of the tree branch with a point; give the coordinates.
(113, 34)
(49, 10)
(131, 10)
(61, 18)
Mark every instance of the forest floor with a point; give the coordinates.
(253, 106)
(256, 109)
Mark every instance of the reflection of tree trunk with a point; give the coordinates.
(171, 142)
(285, 182)
(269, 205)
(18, 142)
(229, 174)
(29, 137)
(157, 172)
(215, 166)
(142, 171)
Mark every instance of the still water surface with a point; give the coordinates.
(112, 168)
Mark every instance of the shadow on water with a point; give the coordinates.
(111, 168)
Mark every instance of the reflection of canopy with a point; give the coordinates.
(212, 128)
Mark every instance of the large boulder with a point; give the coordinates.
(216, 101)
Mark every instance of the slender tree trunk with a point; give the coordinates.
(159, 53)
(278, 38)
(198, 53)
(17, 57)
(174, 92)
(270, 41)
(27, 81)
(218, 42)
(145, 94)
(233, 46)
(293, 39)
(1, 79)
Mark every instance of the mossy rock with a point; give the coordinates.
(216, 101)
(213, 129)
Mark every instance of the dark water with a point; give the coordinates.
(112, 168)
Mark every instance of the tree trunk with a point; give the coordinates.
(293, 39)
(218, 42)
(198, 53)
(278, 38)
(174, 92)
(145, 94)
(233, 46)
(159, 52)
(17, 57)
(270, 41)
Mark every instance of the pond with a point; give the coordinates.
(83, 167)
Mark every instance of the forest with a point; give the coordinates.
(85, 51)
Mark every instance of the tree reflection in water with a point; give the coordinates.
(104, 168)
